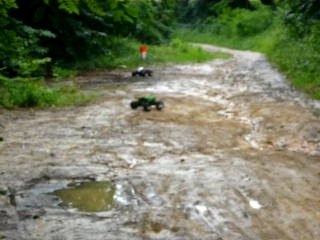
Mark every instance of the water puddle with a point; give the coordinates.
(88, 196)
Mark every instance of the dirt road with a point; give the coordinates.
(235, 154)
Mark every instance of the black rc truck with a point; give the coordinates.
(147, 102)
(142, 72)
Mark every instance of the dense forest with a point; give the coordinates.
(51, 39)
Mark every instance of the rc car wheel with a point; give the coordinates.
(134, 104)
(148, 72)
(159, 105)
(146, 108)
(134, 74)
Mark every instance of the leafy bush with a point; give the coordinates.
(20, 52)
(240, 22)
(248, 23)
(301, 15)
(299, 59)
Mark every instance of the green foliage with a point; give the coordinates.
(60, 73)
(301, 16)
(32, 93)
(295, 52)
(74, 6)
(38, 34)
(20, 53)
(124, 52)
(149, 21)
(231, 27)
(70, 6)
(5, 6)
(177, 51)
(299, 59)
(82, 27)
(200, 10)
(239, 22)
(50, 37)
(179, 45)
(245, 23)
(23, 93)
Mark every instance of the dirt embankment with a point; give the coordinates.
(233, 155)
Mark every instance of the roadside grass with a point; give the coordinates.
(300, 62)
(28, 92)
(297, 57)
(175, 52)
(179, 51)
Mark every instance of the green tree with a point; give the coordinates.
(83, 27)
(20, 52)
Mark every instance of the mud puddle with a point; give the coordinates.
(87, 196)
(233, 155)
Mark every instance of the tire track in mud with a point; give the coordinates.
(234, 155)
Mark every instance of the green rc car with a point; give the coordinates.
(147, 102)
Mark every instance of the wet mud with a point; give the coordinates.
(235, 154)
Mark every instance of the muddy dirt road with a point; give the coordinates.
(235, 154)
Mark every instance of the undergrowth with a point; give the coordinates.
(177, 51)
(21, 92)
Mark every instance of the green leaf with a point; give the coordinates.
(70, 6)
